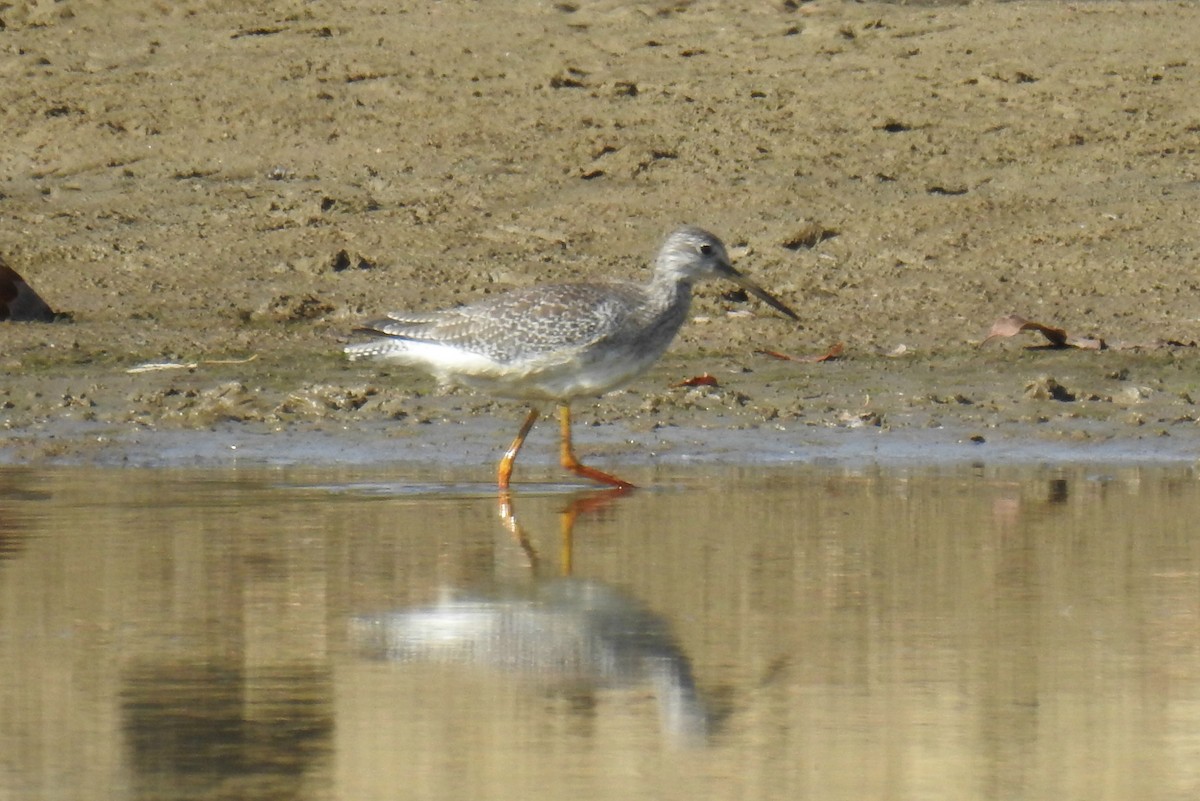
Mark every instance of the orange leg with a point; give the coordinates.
(568, 460)
(510, 455)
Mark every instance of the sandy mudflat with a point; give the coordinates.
(201, 184)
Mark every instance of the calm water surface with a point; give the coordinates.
(793, 633)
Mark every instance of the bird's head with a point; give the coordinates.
(692, 254)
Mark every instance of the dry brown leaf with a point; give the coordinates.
(704, 380)
(1014, 324)
(834, 352)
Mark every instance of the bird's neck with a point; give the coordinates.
(670, 300)
(669, 291)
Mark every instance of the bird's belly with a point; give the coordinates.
(558, 380)
(556, 376)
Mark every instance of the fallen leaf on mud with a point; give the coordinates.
(1014, 324)
(704, 380)
(834, 352)
(18, 301)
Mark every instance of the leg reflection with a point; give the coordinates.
(582, 503)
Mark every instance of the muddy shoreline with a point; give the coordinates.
(852, 412)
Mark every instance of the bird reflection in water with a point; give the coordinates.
(559, 631)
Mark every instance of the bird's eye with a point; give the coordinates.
(706, 249)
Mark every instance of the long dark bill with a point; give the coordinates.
(760, 293)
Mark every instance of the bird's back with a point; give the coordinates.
(552, 341)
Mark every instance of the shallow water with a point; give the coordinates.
(900, 633)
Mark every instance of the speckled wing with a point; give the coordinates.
(520, 325)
